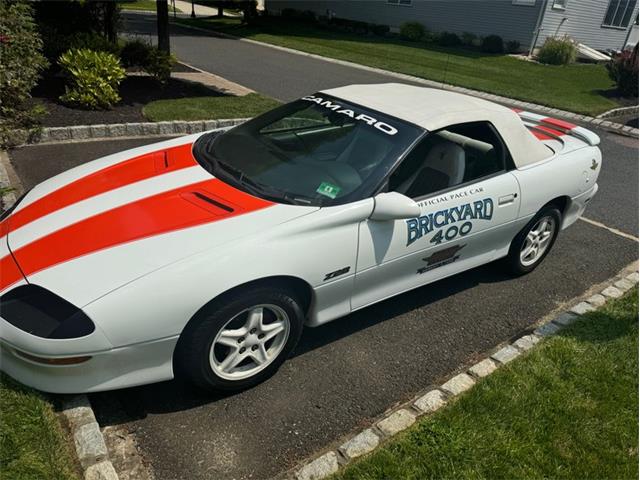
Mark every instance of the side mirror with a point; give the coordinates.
(394, 206)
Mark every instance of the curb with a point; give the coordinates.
(83, 133)
(599, 122)
(617, 112)
(431, 400)
(91, 448)
(8, 179)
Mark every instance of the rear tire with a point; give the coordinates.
(240, 341)
(534, 242)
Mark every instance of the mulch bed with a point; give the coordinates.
(136, 92)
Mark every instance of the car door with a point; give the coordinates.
(459, 176)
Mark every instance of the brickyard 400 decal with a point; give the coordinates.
(424, 224)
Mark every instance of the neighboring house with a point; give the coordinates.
(600, 24)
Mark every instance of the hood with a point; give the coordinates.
(102, 225)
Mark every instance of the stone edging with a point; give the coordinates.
(617, 112)
(118, 130)
(90, 446)
(599, 122)
(403, 417)
(6, 181)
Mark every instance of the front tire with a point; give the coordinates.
(534, 242)
(240, 341)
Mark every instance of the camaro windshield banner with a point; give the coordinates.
(369, 120)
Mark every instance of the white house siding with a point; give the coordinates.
(481, 17)
(584, 23)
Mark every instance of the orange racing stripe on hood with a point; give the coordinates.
(185, 207)
(109, 178)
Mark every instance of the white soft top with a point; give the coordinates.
(434, 109)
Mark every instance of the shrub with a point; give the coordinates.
(557, 51)
(448, 39)
(93, 77)
(623, 69)
(413, 31)
(351, 25)
(159, 64)
(299, 15)
(512, 46)
(492, 44)
(381, 30)
(77, 24)
(21, 62)
(468, 38)
(135, 53)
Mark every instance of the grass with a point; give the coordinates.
(146, 5)
(569, 409)
(32, 443)
(208, 108)
(578, 87)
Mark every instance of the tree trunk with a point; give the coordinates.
(110, 21)
(220, 10)
(162, 14)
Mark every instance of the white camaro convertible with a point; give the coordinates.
(204, 256)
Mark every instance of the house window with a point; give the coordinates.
(405, 3)
(619, 13)
(528, 3)
(559, 4)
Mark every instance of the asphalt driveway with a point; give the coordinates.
(346, 373)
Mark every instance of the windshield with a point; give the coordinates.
(317, 150)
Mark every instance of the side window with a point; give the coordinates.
(452, 156)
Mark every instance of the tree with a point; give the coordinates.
(162, 16)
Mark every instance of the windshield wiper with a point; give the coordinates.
(257, 188)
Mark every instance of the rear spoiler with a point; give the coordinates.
(557, 128)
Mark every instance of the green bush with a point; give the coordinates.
(21, 62)
(159, 64)
(134, 53)
(468, 38)
(413, 31)
(76, 24)
(557, 51)
(381, 30)
(623, 69)
(93, 77)
(448, 39)
(492, 44)
(512, 46)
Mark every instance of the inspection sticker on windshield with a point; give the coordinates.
(328, 190)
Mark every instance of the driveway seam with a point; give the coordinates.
(520, 104)
(400, 418)
(615, 231)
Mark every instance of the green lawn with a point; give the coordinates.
(575, 88)
(32, 443)
(569, 409)
(147, 5)
(208, 108)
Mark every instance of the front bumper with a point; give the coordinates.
(108, 368)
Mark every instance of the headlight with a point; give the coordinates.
(42, 313)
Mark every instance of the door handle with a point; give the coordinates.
(507, 199)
